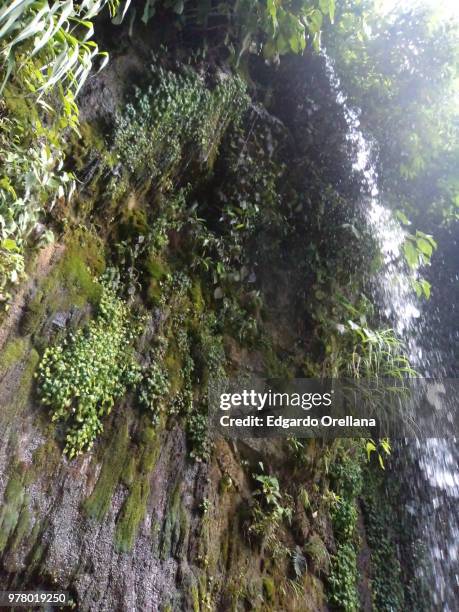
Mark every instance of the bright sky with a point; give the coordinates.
(447, 8)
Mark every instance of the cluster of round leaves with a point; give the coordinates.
(177, 111)
(347, 482)
(81, 378)
(153, 388)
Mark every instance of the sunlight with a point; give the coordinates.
(445, 8)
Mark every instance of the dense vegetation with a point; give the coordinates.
(211, 219)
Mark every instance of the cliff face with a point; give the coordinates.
(153, 517)
(134, 524)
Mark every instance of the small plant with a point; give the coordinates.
(174, 112)
(299, 562)
(342, 582)
(304, 498)
(318, 553)
(197, 429)
(31, 177)
(269, 511)
(346, 479)
(269, 489)
(380, 448)
(152, 389)
(81, 378)
(205, 505)
(344, 517)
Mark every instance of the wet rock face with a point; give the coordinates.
(64, 524)
(134, 524)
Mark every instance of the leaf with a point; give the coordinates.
(402, 217)
(315, 21)
(9, 245)
(370, 447)
(411, 254)
(424, 246)
(426, 287)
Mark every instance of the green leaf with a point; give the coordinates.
(9, 245)
(411, 254)
(424, 246)
(402, 217)
(426, 287)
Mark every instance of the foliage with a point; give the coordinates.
(318, 553)
(153, 387)
(178, 110)
(269, 512)
(81, 378)
(46, 54)
(346, 476)
(385, 573)
(49, 44)
(346, 480)
(344, 517)
(269, 28)
(352, 347)
(31, 177)
(380, 448)
(269, 488)
(197, 430)
(400, 69)
(342, 580)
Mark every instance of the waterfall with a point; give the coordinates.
(429, 466)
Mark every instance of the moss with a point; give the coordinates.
(137, 471)
(174, 368)
(22, 527)
(129, 471)
(155, 267)
(23, 391)
(46, 458)
(92, 137)
(197, 297)
(132, 513)
(149, 448)
(175, 526)
(98, 503)
(133, 222)
(71, 282)
(13, 353)
(224, 550)
(155, 270)
(195, 598)
(12, 503)
(269, 589)
(78, 278)
(276, 367)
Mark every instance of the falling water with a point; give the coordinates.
(429, 465)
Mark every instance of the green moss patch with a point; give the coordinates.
(98, 503)
(137, 475)
(71, 282)
(13, 500)
(13, 353)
